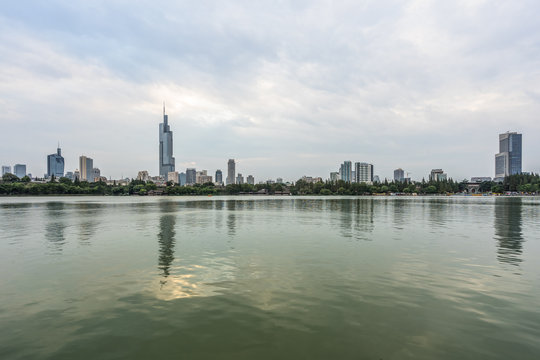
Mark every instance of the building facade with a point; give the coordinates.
(437, 175)
(346, 171)
(231, 171)
(19, 170)
(6, 170)
(509, 159)
(191, 176)
(86, 165)
(363, 172)
(219, 177)
(95, 175)
(55, 164)
(166, 159)
(173, 177)
(239, 179)
(399, 175)
(250, 180)
(143, 175)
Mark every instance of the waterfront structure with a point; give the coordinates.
(6, 170)
(191, 176)
(219, 177)
(364, 172)
(399, 175)
(55, 164)
(173, 176)
(346, 171)
(231, 171)
(19, 170)
(239, 179)
(166, 159)
(251, 180)
(508, 160)
(86, 165)
(437, 175)
(182, 178)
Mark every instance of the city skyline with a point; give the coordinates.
(410, 87)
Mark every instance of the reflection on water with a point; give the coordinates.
(166, 239)
(55, 225)
(508, 232)
(88, 220)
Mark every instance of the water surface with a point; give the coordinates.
(269, 278)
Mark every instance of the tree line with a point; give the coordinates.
(12, 185)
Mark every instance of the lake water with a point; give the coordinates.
(270, 278)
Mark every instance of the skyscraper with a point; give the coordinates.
(166, 159)
(346, 171)
(55, 164)
(508, 160)
(363, 172)
(86, 165)
(219, 177)
(239, 179)
(399, 175)
(231, 171)
(19, 170)
(251, 180)
(191, 176)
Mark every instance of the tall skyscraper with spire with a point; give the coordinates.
(166, 159)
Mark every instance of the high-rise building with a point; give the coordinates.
(437, 175)
(166, 159)
(76, 175)
(182, 178)
(334, 176)
(219, 177)
(278, 180)
(399, 175)
(363, 172)
(19, 170)
(231, 171)
(202, 177)
(191, 176)
(6, 170)
(95, 175)
(69, 175)
(346, 171)
(239, 179)
(173, 177)
(86, 165)
(508, 160)
(55, 164)
(250, 180)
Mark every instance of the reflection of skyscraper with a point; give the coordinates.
(55, 164)
(231, 171)
(508, 160)
(508, 230)
(55, 226)
(166, 159)
(166, 235)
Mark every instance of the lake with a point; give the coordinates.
(270, 278)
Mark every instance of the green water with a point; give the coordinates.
(269, 278)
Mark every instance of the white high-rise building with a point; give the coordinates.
(172, 176)
(363, 172)
(231, 171)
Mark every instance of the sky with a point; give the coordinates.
(287, 88)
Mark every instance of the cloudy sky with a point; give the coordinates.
(288, 88)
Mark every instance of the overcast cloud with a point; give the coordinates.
(286, 88)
